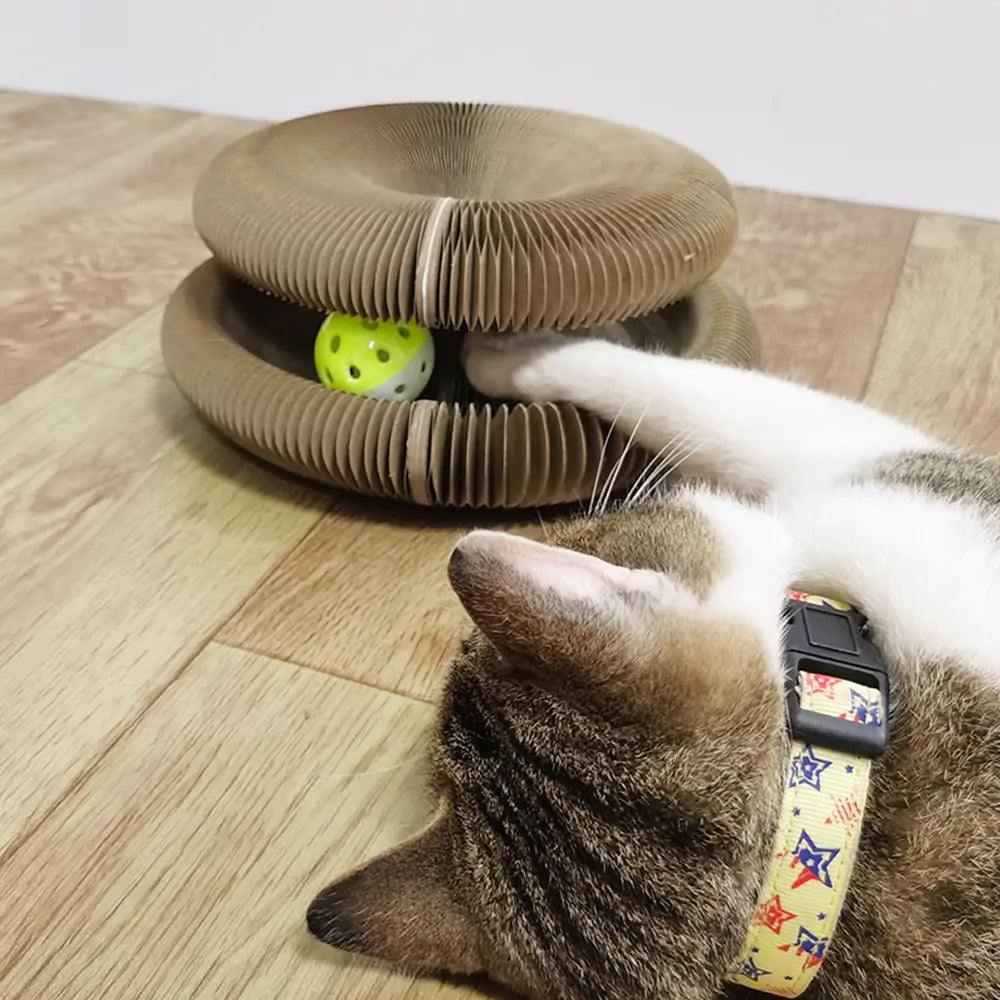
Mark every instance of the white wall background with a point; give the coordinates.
(890, 101)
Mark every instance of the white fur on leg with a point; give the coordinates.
(759, 561)
(751, 430)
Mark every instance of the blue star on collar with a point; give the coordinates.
(865, 711)
(807, 769)
(815, 861)
(811, 944)
(751, 971)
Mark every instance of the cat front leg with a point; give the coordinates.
(746, 429)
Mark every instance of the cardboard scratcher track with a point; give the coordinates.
(465, 216)
(243, 359)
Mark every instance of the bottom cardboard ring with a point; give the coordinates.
(243, 359)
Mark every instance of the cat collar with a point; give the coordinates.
(837, 691)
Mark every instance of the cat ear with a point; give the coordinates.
(401, 908)
(551, 605)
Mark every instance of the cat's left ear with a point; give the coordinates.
(403, 907)
(553, 606)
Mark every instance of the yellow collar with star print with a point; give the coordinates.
(838, 697)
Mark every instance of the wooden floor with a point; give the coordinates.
(215, 681)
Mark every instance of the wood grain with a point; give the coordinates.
(67, 466)
(135, 347)
(939, 361)
(819, 277)
(189, 858)
(957, 235)
(15, 101)
(43, 140)
(84, 255)
(335, 605)
(122, 582)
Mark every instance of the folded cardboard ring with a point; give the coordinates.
(243, 360)
(466, 217)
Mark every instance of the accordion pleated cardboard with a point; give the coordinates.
(242, 359)
(463, 217)
(466, 217)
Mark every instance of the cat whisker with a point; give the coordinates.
(609, 485)
(649, 491)
(665, 470)
(665, 457)
(545, 527)
(600, 460)
(680, 453)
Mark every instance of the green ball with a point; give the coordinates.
(371, 357)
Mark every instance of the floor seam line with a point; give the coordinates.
(329, 674)
(896, 285)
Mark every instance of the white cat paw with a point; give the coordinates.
(515, 366)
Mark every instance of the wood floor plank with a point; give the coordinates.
(14, 102)
(183, 866)
(136, 347)
(132, 588)
(84, 255)
(938, 365)
(46, 138)
(819, 277)
(957, 235)
(366, 596)
(16, 99)
(72, 449)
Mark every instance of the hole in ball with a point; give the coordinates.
(400, 388)
(355, 371)
(403, 332)
(423, 368)
(370, 324)
(382, 355)
(329, 376)
(335, 344)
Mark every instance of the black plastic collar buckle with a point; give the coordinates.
(826, 641)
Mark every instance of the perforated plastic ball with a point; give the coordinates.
(370, 357)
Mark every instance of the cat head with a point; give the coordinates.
(606, 768)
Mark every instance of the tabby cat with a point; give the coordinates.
(612, 748)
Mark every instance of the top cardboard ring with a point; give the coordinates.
(466, 216)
